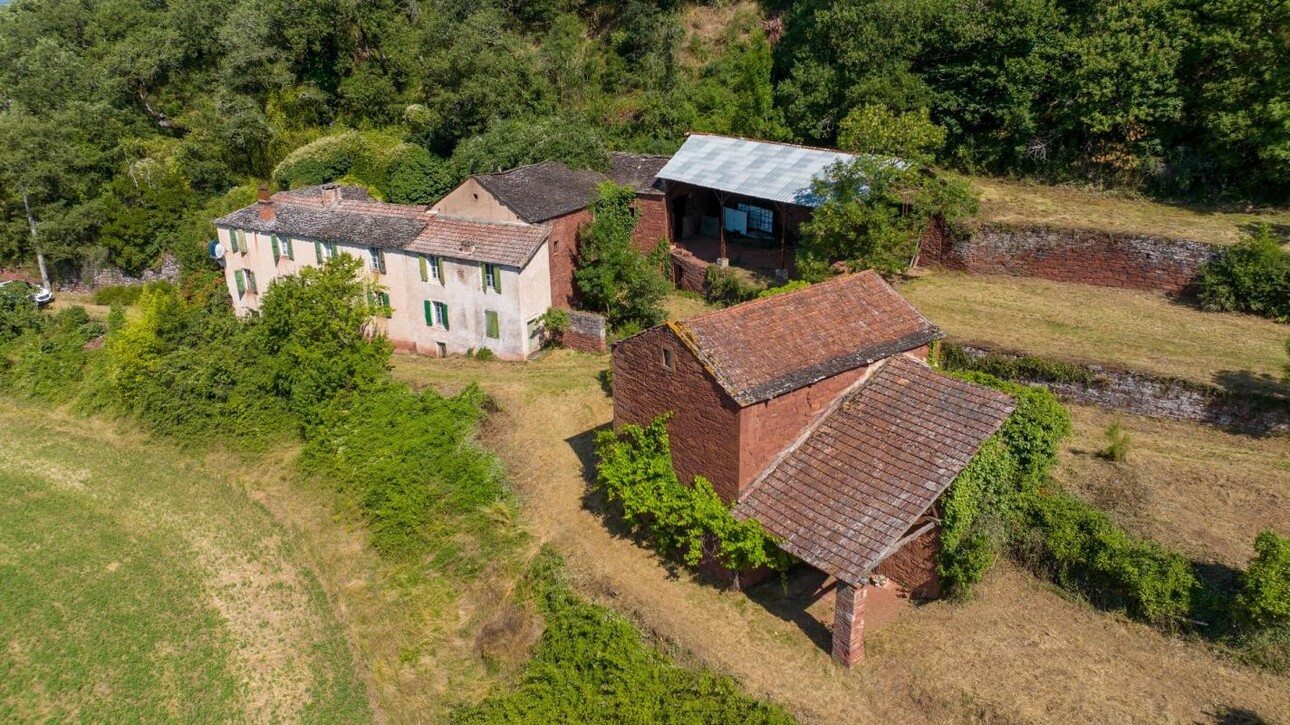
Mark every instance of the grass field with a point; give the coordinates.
(1019, 202)
(1140, 330)
(1018, 652)
(1191, 487)
(139, 585)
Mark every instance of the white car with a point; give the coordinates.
(35, 292)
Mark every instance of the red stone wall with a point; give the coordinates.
(913, 566)
(586, 332)
(653, 222)
(704, 431)
(688, 271)
(1073, 255)
(767, 428)
(562, 246)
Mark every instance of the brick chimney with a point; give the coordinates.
(265, 205)
(331, 195)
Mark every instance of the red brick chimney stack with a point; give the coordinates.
(265, 205)
(331, 195)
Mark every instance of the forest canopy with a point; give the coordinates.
(125, 124)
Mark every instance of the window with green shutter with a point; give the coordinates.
(429, 313)
(331, 250)
(386, 310)
(241, 240)
(491, 327)
(240, 280)
(250, 283)
(318, 254)
(492, 277)
(425, 269)
(441, 314)
(277, 248)
(291, 251)
(438, 269)
(232, 240)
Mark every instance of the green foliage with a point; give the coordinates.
(613, 277)
(872, 129)
(1009, 367)
(1035, 430)
(409, 463)
(416, 176)
(728, 286)
(780, 289)
(118, 294)
(484, 354)
(18, 314)
(142, 213)
(555, 320)
(1117, 443)
(1253, 276)
(49, 362)
(591, 666)
(873, 213)
(1264, 598)
(508, 143)
(1081, 549)
(636, 476)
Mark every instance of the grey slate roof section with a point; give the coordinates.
(328, 225)
(539, 192)
(757, 169)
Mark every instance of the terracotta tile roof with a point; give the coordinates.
(768, 347)
(481, 241)
(543, 191)
(853, 484)
(356, 219)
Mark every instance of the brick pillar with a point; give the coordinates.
(848, 623)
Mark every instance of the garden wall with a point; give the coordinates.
(688, 271)
(586, 332)
(1160, 397)
(1071, 255)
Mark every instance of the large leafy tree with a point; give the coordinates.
(613, 277)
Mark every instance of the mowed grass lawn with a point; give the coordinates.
(1139, 330)
(137, 584)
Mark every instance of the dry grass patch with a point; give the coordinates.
(1022, 203)
(711, 28)
(1191, 487)
(1018, 652)
(1134, 329)
(684, 305)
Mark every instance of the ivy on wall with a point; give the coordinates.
(636, 476)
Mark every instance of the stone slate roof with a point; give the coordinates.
(358, 219)
(539, 192)
(765, 348)
(848, 490)
(480, 241)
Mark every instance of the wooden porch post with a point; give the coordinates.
(722, 259)
(781, 274)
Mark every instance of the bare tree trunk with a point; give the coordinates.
(35, 242)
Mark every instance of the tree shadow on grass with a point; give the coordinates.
(1236, 716)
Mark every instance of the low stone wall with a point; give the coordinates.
(586, 332)
(1161, 397)
(1072, 255)
(688, 271)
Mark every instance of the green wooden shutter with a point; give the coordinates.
(429, 314)
(240, 279)
(497, 279)
(318, 252)
(232, 240)
(291, 250)
(483, 276)
(425, 269)
(277, 250)
(241, 240)
(443, 314)
(438, 269)
(250, 282)
(490, 324)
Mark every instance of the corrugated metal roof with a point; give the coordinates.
(757, 169)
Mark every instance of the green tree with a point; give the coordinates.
(874, 211)
(613, 277)
(1264, 599)
(874, 129)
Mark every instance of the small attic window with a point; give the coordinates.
(667, 358)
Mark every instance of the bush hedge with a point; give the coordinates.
(636, 476)
(118, 294)
(1252, 276)
(1264, 599)
(1025, 367)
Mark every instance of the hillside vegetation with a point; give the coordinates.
(124, 125)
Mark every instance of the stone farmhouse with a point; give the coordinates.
(476, 270)
(816, 413)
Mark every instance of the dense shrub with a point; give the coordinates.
(636, 476)
(728, 286)
(18, 314)
(416, 176)
(117, 294)
(614, 278)
(1081, 549)
(1008, 367)
(591, 666)
(1253, 276)
(48, 362)
(409, 464)
(1118, 441)
(1264, 599)
(1034, 432)
(330, 158)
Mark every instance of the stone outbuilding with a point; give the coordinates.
(816, 413)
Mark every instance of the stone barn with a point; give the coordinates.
(816, 413)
